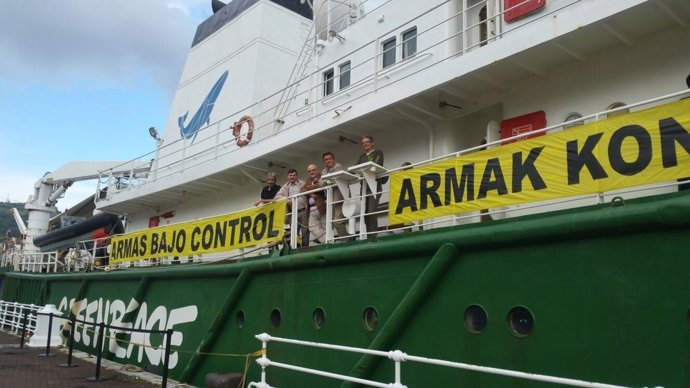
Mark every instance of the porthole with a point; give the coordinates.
(319, 318)
(618, 112)
(370, 318)
(476, 319)
(573, 117)
(276, 318)
(520, 321)
(240, 319)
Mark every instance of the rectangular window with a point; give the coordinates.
(328, 82)
(345, 75)
(409, 43)
(388, 49)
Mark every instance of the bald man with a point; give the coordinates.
(317, 204)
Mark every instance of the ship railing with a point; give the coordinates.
(397, 357)
(357, 225)
(38, 261)
(356, 220)
(440, 39)
(12, 316)
(94, 254)
(88, 254)
(616, 197)
(322, 226)
(9, 256)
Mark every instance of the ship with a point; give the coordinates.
(528, 227)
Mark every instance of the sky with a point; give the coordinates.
(83, 80)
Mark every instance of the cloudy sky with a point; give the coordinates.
(84, 80)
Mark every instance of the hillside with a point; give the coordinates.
(7, 220)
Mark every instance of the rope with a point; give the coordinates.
(134, 368)
(131, 368)
(257, 353)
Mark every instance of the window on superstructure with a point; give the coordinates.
(328, 82)
(483, 30)
(388, 49)
(344, 75)
(409, 43)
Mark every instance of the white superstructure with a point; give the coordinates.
(425, 78)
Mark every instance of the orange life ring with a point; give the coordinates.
(237, 131)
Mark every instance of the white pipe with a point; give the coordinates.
(331, 375)
(511, 373)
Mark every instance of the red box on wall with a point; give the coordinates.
(523, 125)
(515, 11)
(154, 221)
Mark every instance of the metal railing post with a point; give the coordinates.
(166, 359)
(50, 331)
(21, 342)
(99, 353)
(69, 364)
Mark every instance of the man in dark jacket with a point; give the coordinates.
(371, 155)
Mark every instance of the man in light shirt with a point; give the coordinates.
(290, 188)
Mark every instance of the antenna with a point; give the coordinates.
(443, 104)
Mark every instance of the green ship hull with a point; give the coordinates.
(599, 294)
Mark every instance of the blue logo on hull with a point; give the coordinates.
(203, 115)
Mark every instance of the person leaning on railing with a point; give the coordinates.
(317, 204)
(371, 155)
(291, 188)
(269, 191)
(339, 222)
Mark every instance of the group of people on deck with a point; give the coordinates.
(311, 209)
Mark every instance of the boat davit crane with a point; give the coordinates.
(52, 186)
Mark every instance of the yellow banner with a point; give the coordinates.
(263, 224)
(624, 151)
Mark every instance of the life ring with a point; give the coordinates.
(237, 131)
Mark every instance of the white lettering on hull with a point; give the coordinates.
(113, 313)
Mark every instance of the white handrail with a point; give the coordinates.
(398, 357)
(38, 261)
(12, 316)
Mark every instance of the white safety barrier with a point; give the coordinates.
(398, 357)
(12, 316)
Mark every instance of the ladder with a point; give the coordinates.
(299, 74)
